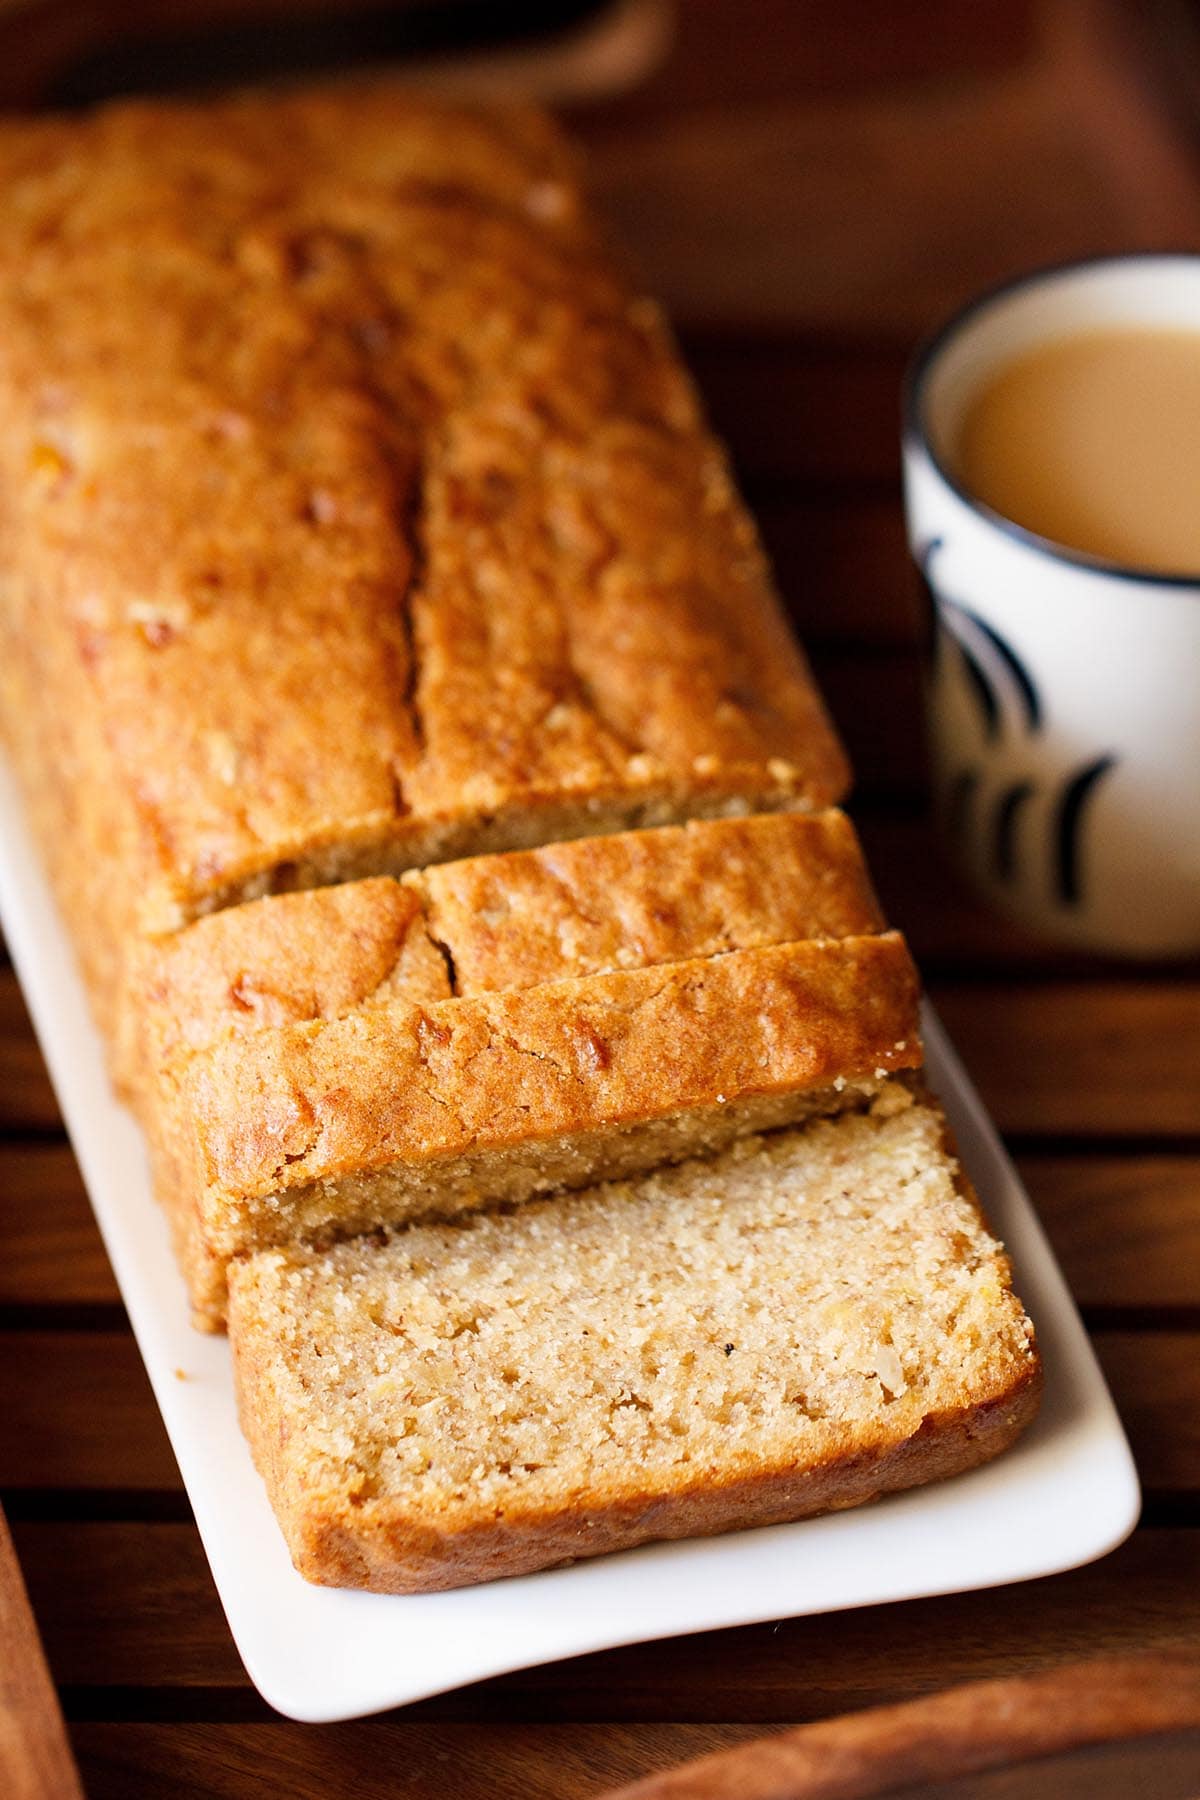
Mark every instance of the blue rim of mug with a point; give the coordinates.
(916, 432)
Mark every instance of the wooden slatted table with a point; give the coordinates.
(809, 192)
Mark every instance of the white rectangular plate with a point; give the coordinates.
(1067, 1493)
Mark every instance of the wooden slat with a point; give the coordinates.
(126, 1605)
(945, 922)
(79, 1413)
(1152, 1376)
(365, 1759)
(1105, 1056)
(876, 705)
(722, 59)
(133, 1606)
(886, 210)
(50, 1248)
(1126, 1229)
(803, 408)
(499, 1761)
(1153, 1381)
(26, 1097)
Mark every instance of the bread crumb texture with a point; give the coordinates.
(794, 1312)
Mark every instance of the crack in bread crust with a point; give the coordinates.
(494, 924)
(330, 1061)
(376, 529)
(403, 1087)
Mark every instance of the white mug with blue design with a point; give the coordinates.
(1063, 691)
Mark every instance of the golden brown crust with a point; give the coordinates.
(642, 898)
(361, 505)
(493, 923)
(293, 1112)
(390, 1554)
(58, 753)
(311, 955)
(438, 1092)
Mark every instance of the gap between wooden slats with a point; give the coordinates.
(1104, 1057)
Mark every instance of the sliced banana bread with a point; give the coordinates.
(505, 1026)
(805, 1322)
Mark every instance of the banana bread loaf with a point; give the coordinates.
(356, 513)
(358, 516)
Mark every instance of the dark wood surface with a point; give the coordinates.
(810, 186)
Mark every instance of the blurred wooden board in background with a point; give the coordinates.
(862, 184)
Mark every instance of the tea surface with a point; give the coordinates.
(1094, 441)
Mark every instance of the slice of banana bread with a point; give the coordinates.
(806, 1322)
(397, 1112)
(490, 924)
(504, 1026)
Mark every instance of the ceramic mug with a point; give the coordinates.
(1063, 691)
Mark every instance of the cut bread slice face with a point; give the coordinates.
(805, 1322)
(510, 1026)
